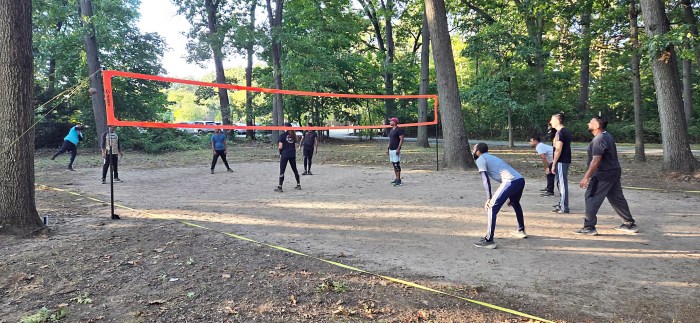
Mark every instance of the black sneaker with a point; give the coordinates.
(298, 187)
(53, 157)
(279, 189)
(398, 183)
(587, 231)
(394, 181)
(212, 171)
(485, 244)
(560, 211)
(116, 179)
(70, 168)
(543, 190)
(229, 170)
(309, 173)
(628, 227)
(305, 173)
(547, 194)
(115, 217)
(104, 181)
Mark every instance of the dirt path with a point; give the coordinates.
(427, 227)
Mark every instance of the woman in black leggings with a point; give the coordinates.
(287, 146)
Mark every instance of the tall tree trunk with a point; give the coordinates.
(275, 26)
(534, 23)
(422, 138)
(18, 213)
(250, 134)
(585, 76)
(677, 154)
(639, 154)
(92, 56)
(456, 152)
(688, 90)
(216, 45)
(389, 104)
(692, 22)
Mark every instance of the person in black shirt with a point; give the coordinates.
(602, 179)
(394, 149)
(287, 143)
(310, 145)
(562, 160)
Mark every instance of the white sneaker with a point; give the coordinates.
(519, 234)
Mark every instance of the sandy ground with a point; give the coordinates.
(427, 227)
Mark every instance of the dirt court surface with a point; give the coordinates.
(422, 231)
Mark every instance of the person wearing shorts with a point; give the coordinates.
(511, 189)
(70, 144)
(286, 143)
(219, 147)
(310, 145)
(394, 149)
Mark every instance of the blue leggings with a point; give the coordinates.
(512, 191)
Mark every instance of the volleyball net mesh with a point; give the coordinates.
(329, 110)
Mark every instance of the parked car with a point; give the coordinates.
(192, 131)
(240, 131)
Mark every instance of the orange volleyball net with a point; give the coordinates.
(112, 119)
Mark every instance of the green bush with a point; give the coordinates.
(157, 140)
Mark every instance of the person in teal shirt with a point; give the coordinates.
(70, 143)
(218, 146)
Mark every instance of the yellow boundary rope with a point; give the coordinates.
(338, 264)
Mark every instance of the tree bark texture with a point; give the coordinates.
(456, 152)
(585, 76)
(216, 46)
(692, 22)
(275, 26)
(389, 104)
(18, 213)
(422, 137)
(92, 56)
(688, 90)
(674, 134)
(639, 154)
(250, 134)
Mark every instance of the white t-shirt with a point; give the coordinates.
(496, 168)
(547, 150)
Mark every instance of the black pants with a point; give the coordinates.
(221, 153)
(550, 180)
(283, 166)
(68, 146)
(115, 162)
(597, 191)
(308, 156)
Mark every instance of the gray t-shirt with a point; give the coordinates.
(604, 145)
(496, 168)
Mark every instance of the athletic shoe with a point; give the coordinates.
(587, 231)
(560, 211)
(309, 173)
(305, 173)
(117, 179)
(394, 181)
(519, 234)
(115, 217)
(547, 194)
(543, 190)
(229, 170)
(279, 189)
(485, 244)
(631, 228)
(212, 171)
(70, 168)
(53, 157)
(298, 187)
(398, 183)
(104, 181)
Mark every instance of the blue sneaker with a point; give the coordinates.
(398, 183)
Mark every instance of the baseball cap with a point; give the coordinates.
(396, 120)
